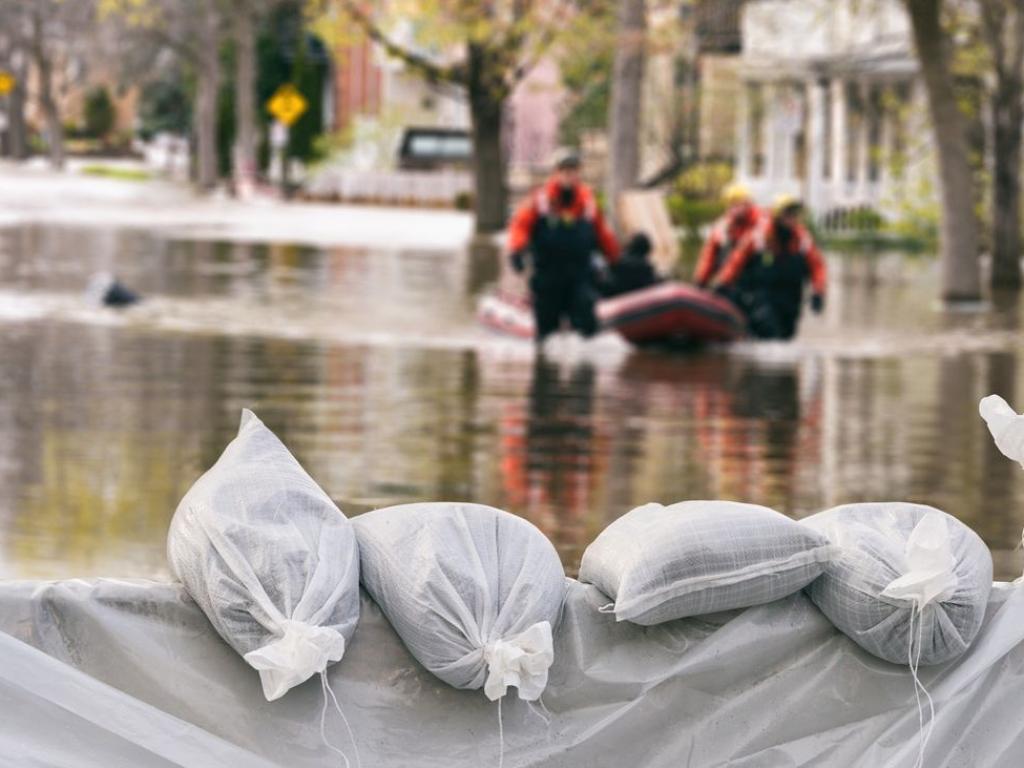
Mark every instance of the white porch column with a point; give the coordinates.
(891, 113)
(863, 142)
(773, 165)
(814, 192)
(838, 159)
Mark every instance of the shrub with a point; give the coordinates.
(99, 113)
(704, 180)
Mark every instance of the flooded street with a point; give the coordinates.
(370, 367)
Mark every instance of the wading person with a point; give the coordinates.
(560, 227)
(740, 218)
(766, 273)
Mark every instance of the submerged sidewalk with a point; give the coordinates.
(31, 194)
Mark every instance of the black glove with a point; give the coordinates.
(518, 261)
(817, 303)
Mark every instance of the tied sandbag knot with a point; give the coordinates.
(929, 577)
(300, 652)
(930, 573)
(522, 661)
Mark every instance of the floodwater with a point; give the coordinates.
(371, 369)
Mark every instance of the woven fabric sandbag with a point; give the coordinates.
(269, 558)
(905, 576)
(473, 592)
(661, 563)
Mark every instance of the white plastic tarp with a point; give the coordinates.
(104, 673)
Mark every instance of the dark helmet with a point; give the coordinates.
(638, 247)
(567, 158)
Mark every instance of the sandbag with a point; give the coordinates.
(661, 563)
(1006, 426)
(909, 583)
(269, 558)
(472, 591)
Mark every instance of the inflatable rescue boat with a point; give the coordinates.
(666, 313)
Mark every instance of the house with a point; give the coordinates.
(375, 98)
(830, 105)
(691, 85)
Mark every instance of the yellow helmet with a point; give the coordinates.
(784, 202)
(735, 193)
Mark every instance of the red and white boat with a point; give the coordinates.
(666, 313)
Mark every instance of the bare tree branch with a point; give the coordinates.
(453, 73)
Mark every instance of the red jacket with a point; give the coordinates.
(545, 200)
(761, 239)
(726, 234)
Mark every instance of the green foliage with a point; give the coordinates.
(99, 113)
(695, 199)
(916, 211)
(692, 214)
(286, 53)
(704, 181)
(114, 172)
(164, 107)
(464, 201)
(865, 219)
(585, 64)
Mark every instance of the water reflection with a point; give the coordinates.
(105, 420)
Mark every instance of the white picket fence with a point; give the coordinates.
(427, 188)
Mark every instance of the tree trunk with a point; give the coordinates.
(1003, 25)
(17, 133)
(205, 118)
(244, 153)
(626, 103)
(487, 93)
(1006, 157)
(959, 231)
(51, 115)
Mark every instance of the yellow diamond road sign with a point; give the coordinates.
(287, 104)
(7, 82)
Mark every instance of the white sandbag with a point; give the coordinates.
(473, 592)
(662, 563)
(269, 558)
(908, 582)
(1006, 426)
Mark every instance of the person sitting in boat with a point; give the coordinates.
(741, 217)
(766, 273)
(632, 272)
(560, 226)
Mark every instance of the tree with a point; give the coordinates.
(625, 109)
(50, 34)
(99, 113)
(1002, 23)
(483, 48)
(243, 156)
(247, 16)
(958, 230)
(193, 30)
(14, 60)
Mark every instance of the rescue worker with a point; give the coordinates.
(633, 271)
(766, 273)
(560, 227)
(740, 217)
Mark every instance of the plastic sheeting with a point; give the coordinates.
(102, 673)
